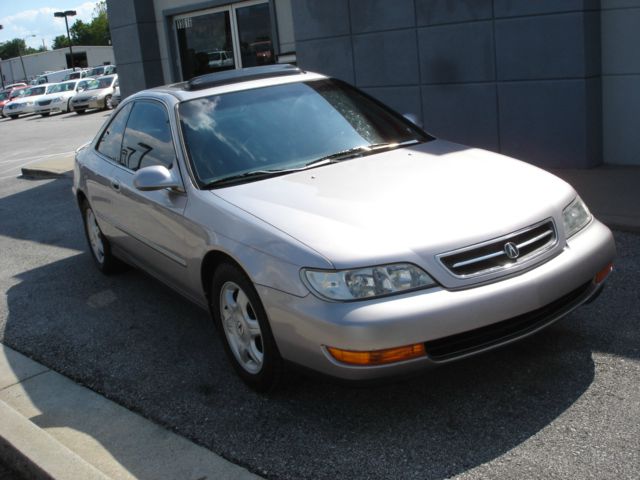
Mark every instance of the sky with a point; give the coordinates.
(35, 17)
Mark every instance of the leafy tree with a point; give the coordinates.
(95, 32)
(14, 48)
(60, 41)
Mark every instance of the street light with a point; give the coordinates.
(20, 55)
(65, 14)
(1, 75)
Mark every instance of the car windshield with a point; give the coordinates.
(286, 127)
(62, 87)
(103, 82)
(35, 91)
(96, 71)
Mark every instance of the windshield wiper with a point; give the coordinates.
(326, 160)
(358, 151)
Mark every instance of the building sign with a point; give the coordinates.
(182, 23)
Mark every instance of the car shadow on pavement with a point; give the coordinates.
(135, 341)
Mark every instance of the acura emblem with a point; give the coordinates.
(511, 249)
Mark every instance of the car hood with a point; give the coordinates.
(51, 96)
(90, 93)
(405, 204)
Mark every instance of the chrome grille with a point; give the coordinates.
(500, 254)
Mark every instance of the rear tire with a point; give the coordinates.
(245, 330)
(99, 246)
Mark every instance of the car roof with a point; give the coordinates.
(234, 80)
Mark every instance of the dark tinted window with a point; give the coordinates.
(111, 140)
(147, 139)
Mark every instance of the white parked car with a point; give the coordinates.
(26, 104)
(57, 99)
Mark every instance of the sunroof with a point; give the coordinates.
(241, 75)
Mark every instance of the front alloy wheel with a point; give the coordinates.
(241, 327)
(248, 341)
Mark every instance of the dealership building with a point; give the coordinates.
(18, 69)
(552, 82)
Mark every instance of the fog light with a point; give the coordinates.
(378, 357)
(603, 274)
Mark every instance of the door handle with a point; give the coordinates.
(115, 184)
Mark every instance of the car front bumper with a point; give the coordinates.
(452, 324)
(88, 104)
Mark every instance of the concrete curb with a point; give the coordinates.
(36, 454)
(51, 427)
(51, 168)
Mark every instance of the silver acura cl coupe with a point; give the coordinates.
(322, 229)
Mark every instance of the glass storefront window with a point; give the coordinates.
(254, 30)
(205, 44)
(230, 37)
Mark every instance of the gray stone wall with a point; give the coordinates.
(621, 81)
(135, 44)
(520, 77)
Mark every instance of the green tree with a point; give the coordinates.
(60, 41)
(96, 32)
(14, 48)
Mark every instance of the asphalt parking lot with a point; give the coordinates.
(562, 404)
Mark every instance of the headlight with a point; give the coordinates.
(575, 217)
(56, 100)
(369, 282)
(28, 104)
(93, 97)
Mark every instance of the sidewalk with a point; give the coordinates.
(51, 427)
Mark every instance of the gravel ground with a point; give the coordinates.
(562, 404)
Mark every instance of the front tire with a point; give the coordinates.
(99, 246)
(14, 117)
(80, 112)
(107, 103)
(242, 321)
(46, 114)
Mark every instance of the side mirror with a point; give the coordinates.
(156, 177)
(81, 89)
(413, 118)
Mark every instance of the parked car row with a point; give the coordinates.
(77, 95)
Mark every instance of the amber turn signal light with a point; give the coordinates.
(603, 274)
(378, 357)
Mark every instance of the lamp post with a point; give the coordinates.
(65, 14)
(24, 72)
(1, 75)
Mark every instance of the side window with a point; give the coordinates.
(111, 141)
(147, 139)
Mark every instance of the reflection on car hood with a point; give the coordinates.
(87, 94)
(429, 198)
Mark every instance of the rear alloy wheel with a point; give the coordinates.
(98, 245)
(248, 341)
